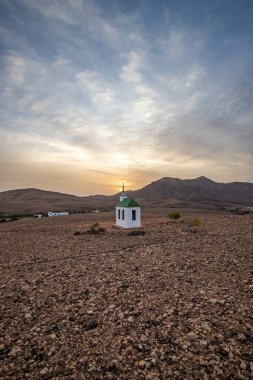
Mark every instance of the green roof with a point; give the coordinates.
(128, 202)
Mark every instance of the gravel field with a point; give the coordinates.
(175, 303)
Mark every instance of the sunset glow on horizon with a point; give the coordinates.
(96, 93)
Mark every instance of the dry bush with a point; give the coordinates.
(95, 229)
(196, 222)
(174, 215)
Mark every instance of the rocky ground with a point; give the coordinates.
(175, 303)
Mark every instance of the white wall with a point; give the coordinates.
(128, 222)
(57, 213)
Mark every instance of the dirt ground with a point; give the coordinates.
(175, 303)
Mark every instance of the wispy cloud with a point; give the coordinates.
(101, 93)
(131, 70)
(128, 91)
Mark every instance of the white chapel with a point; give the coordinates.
(128, 212)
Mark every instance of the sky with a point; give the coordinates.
(94, 93)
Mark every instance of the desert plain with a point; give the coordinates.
(175, 303)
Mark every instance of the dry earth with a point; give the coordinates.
(173, 304)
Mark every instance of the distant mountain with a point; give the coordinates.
(200, 189)
(27, 201)
(162, 193)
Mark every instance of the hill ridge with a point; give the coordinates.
(162, 192)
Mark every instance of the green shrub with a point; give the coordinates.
(196, 222)
(96, 228)
(174, 215)
(3, 220)
(136, 232)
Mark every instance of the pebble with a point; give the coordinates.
(44, 371)
(241, 337)
(142, 363)
(15, 351)
(213, 300)
(153, 354)
(143, 338)
(152, 376)
(192, 336)
(243, 365)
(220, 337)
(203, 343)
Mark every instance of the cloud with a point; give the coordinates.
(81, 14)
(176, 46)
(115, 92)
(64, 11)
(131, 70)
(100, 92)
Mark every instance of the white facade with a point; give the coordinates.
(63, 213)
(128, 217)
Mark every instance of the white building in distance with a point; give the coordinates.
(37, 215)
(128, 212)
(63, 213)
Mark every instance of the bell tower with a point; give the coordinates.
(122, 194)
